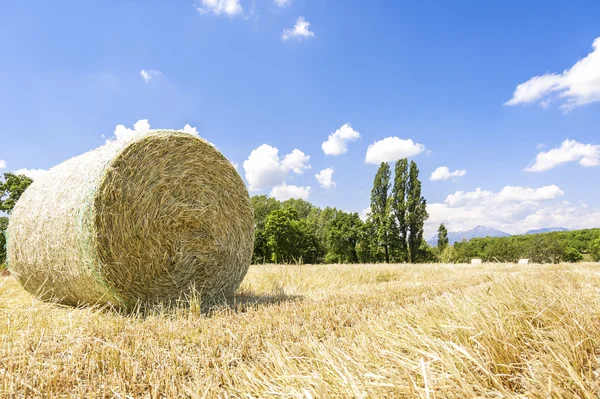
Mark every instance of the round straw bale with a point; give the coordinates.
(151, 219)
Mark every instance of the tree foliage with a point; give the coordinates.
(399, 206)
(442, 238)
(416, 212)
(11, 190)
(3, 227)
(538, 248)
(380, 209)
(572, 255)
(595, 250)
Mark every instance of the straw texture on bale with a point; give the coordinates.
(150, 219)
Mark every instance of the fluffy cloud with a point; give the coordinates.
(325, 178)
(300, 31)
(443, 173)
(337, 142)
(2, 164)
(190, 130)
(265, 169)
(123, 133)
(507, 195)
(282, 3)
(284, 192)
(364, 214)
(141, 127)
(512, 209)
(577, 86)
(31, 173)
(391, 149)
(148, 75)
(569, 151)
(220, 7)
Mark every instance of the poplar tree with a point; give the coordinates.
(380, 208)
(416, 207)
(399, 205)
(442, 241)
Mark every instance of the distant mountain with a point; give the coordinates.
(546, 230)
(477, 232)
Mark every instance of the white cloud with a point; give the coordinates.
(296, 161)
(364, 214)
(220, 7)
(569, 151)
(391, 149)
(325, 178)
(123, 133)
(141, 127)
(300, 31)
(31, 173)
(577, 86)
(443, 173)
(512, 210)
(265, 169)
(2, 164)
(282, 3)
(190, 130)
(337, 142)
(148, 75)
(284, 192)
(507, 195)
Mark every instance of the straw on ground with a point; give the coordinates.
(427, 331)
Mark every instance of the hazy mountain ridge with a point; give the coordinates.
(483, 231)
(547, 230)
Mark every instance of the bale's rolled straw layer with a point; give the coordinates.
(149, 219)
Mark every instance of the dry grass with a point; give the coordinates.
(426, 331)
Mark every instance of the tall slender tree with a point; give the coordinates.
(399, 205)
(442, 241)
(417, 212)
(380, 208)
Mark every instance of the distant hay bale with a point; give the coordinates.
(523, 261)
(476, 261)
(150, 219)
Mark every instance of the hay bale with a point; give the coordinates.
(476, 261)
(149, 219)
(523, 261)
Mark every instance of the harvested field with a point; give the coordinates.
(429, 331)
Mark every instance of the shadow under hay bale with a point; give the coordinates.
(146, 220)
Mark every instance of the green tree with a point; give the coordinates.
(262, 206)
(302, 207)
(595, 250)
(572, 255)
(545, 248)
(449, 255)
(380, 208)
(11, 190)
(343, 237)
(283, 235)
(3, 227)
(417, 212)
(442, 241)
(399, 206)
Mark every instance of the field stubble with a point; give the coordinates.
(427, 331)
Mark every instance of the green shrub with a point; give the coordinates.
(595, 250)
(572, 255)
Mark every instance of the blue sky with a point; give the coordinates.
(266, 75)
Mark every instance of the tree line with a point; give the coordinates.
(295, 231)
(554, 247)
